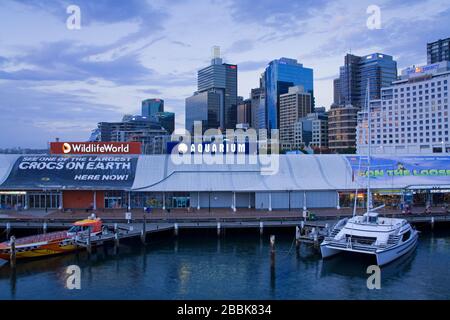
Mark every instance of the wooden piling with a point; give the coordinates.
(272, 251)
(88, 242)
(8, 230)
(12, 258)
(144, 230)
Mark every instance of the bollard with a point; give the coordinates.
(12, 243)
(272, 251)
(261, 227)
(175, 229)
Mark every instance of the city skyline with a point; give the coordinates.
(56, 82)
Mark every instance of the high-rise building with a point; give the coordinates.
(244, 112)
(342, 122)
(150, 133)
(294, 104)
(438, 51)
(278, 77)
(380, 69)
(167, 120)
(220, 78)
(337, 91)
(312, 130)
(150, 107)
(412, 115)
(205, 107)
(256, 95)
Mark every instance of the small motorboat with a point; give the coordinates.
(52, 243)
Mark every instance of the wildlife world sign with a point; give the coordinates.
(407, 170)
(72, 172)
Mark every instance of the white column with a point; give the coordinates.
(95, 200)
(270, 201)
(164, 201)
(129, 200)
(249, 200)
(198, 200)
(304, 200)
(234, 202)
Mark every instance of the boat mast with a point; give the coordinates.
(369, 143)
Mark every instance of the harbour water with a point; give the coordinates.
(237, 265)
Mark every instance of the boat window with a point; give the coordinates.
(373, 219)
(406, 236)
(75, 229)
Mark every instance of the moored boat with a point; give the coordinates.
(52, 243)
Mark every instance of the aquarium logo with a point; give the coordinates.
(73, 281)
(374, 280)
(232, 147)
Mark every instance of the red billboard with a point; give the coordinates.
(95, 147)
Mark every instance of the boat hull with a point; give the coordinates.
(40, 251)
(382, 257)
(386, 256)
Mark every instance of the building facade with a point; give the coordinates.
(380, 69)
(205, 107)
(150, 107)
(220, 78)
(342, 121)
(278, 77)
(312, 130)
(294, 104)
(438, 51)
(167, 120)
(412, 116)
(244, 112)
(150, 133)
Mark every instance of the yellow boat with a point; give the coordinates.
(51, 243)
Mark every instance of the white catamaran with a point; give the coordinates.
(385, 238)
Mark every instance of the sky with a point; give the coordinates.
(58, 82)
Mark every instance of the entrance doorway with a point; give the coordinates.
(180, 202)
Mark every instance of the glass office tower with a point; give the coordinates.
(279, 76)
(380, 69)
(438, 51)
(150, 107)
(205, 107)
(222, 79)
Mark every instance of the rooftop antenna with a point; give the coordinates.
(215, 55)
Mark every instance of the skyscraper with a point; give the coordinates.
(380, 69)
(167, 120)
(438, 51)
(150, 107)
(294, 104)
(278, 77)
(205, 107)
(221, 78)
